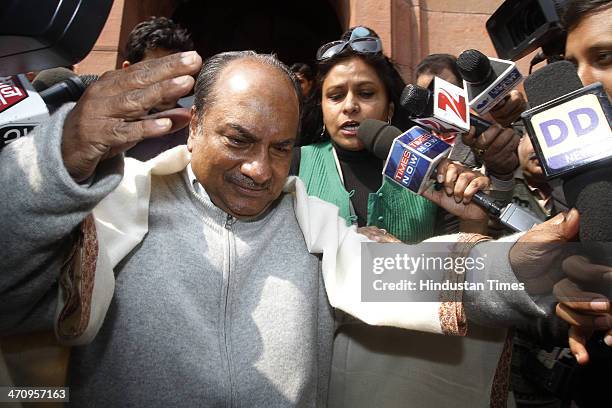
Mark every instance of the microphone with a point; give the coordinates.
(49, 77)
(419, 102)
(412, 156)
(69, 90)
(443, 109)
(570, 130)
(487, 80)
(22, 108)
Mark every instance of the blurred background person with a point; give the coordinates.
(305, 77)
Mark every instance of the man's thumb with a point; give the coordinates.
(564, 225)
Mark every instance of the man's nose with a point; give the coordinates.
(258, 168)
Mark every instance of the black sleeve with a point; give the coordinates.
(294, 169)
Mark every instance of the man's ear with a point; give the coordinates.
(125, 64)
(193, 127)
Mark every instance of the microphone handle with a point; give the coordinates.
(479, 123)
(482, 199)
(486, 202)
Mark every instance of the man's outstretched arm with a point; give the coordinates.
(52, 179)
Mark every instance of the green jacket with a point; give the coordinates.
(409, 217)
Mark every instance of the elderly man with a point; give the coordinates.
(204, 276)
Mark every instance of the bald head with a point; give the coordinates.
(206, 92)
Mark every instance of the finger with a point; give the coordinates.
(463, 180)
(469, 138)
(487, 137)
(588, 321)
(577, 343)
(506, 140)
(121, 133)
(135, 103)
(573, 297)
(180, 117)
(580, 269)
(478, 184)
(562, 227)
(452, 172)
(608, 338)
(441, 170)
(509, 105)
(149, 72)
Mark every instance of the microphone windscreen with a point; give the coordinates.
(551, 82)
(377, 136)
(474, 66)
(414, 99)
(591, 194)
(88, 79)
(49, 77)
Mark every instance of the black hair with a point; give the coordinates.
(303, 69)
(312, 123)
(576, 10)
(212, 67)
(436, 63)
(156, 32)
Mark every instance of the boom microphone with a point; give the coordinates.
(570, 130)
(487, 80)
(412, 156)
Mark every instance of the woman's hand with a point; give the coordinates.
(459, 186)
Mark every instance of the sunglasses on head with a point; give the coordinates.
(361, 41)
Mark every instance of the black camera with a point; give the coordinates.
(35, 34)
(519, 27)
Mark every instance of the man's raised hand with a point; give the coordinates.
(111, 116)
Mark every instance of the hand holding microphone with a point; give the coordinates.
(457, 186)
(509, 109)
(411, 163)
(497, 148)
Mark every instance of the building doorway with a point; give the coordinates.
(294, 30)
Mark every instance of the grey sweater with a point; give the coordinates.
(207, 310)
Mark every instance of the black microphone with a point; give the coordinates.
(69, 90)
(487, 80)
(419, 102)
(475, 68)
(378, 138)
(570, 130)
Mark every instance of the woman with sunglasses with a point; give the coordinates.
(375, 366)
(355, 82)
